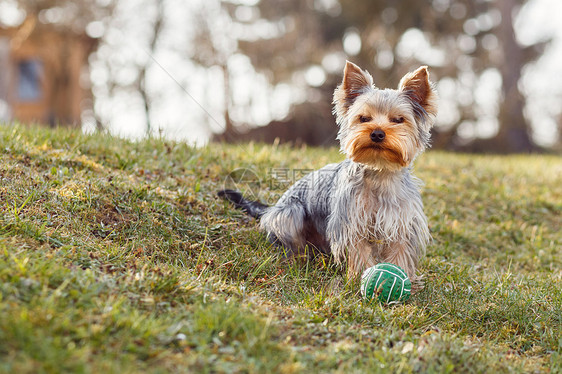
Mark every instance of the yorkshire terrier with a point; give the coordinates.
(366, 209)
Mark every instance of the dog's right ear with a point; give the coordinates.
(355, 82)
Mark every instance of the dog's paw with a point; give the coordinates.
(417, 283)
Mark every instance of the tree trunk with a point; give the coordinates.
(145, 100)
(513, 134)
(158, 25)
(228, 125)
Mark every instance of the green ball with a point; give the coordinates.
(387, 282)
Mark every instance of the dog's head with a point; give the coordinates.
(384, 128)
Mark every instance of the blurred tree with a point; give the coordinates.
(304, 43)
(480, 36)
(127, 65)
(156, 22)
(514, 132)
(463, 41)
(215, 43)
(288, 41)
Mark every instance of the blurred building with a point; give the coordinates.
(40, 74)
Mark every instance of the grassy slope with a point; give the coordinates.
(116, 257)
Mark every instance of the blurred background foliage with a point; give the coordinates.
(236, 70)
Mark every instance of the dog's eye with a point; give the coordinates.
(364, 119)
(397, 119)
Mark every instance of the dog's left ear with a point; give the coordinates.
(418, 88)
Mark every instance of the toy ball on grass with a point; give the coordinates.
(387, 282)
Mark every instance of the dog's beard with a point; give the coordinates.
(394, 153)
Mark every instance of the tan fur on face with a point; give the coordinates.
(362, 149)
(396, 151)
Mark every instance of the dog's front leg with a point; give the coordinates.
(360, 256)
(403, 255)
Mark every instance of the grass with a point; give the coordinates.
(117, 257)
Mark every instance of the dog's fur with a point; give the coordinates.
(366, 209)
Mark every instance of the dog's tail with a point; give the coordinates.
(252, 208)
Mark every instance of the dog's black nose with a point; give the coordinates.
(378, 136)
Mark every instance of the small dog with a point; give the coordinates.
(366, 209)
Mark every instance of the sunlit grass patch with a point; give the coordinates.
(117, 256)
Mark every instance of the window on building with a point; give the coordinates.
(29, 83)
